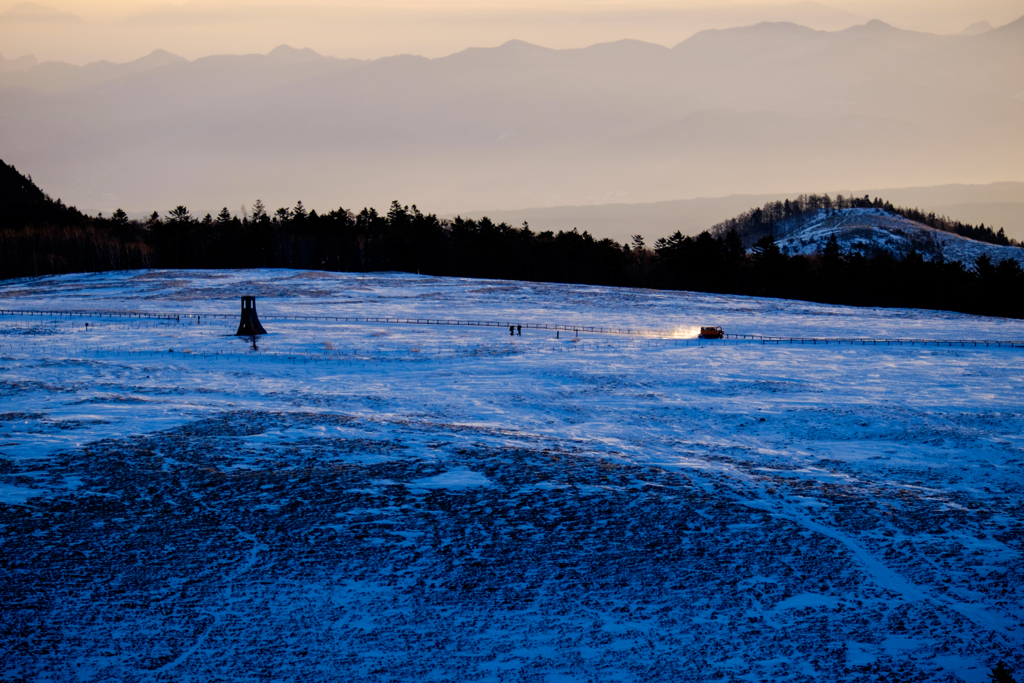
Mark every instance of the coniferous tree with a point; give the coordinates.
(259, 213)
(1001, 674)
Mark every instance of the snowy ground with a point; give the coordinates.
(392, 502)
(867, 230)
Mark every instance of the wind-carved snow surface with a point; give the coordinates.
(413, 503)
(870, 230)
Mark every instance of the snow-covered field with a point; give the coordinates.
(373, 502)
(872, 229)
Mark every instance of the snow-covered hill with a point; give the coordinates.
(374, 502)
(871, 230)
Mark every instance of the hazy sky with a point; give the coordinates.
(919, 12)
(120, 30)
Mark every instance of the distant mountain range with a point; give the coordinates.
(759, 110)
(119, 31)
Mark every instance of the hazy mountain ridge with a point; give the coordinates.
(60, 77)
(56, 77)
(977, 28)
(32, 12)
(17, 64)
(525, 125)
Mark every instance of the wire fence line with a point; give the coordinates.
(647, 334)
(95, 314)
(185, 317)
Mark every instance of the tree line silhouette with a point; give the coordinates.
(40, 236)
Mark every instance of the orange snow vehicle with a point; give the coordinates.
(711, 333)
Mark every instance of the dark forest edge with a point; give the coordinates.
(40, 236)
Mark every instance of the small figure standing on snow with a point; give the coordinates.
(511, 330)
(519, 330)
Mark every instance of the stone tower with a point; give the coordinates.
(249, 325)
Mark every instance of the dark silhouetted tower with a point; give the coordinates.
(249, 325)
